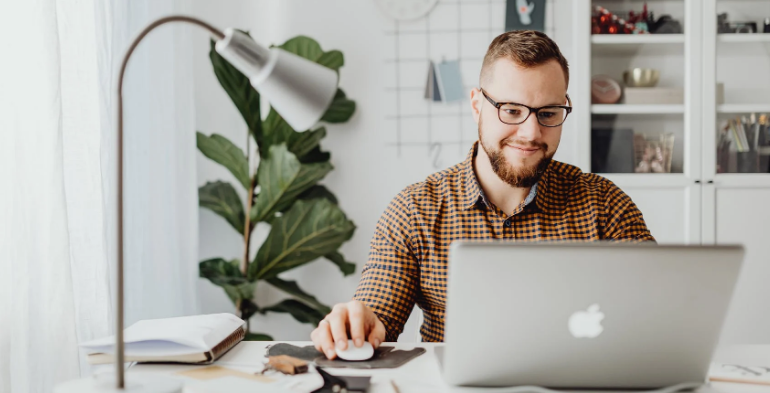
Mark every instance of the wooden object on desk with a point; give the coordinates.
(287, 364)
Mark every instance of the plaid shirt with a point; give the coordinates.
(409, 250)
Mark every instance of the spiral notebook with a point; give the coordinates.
(199, 339)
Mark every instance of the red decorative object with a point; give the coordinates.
(606, 22)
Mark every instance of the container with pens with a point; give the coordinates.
(743, 145)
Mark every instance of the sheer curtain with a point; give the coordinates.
(58, 180)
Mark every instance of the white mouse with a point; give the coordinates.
(353, 353)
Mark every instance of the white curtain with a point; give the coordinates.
(58, 179)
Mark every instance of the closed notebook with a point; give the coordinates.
(720, 372)
(199, 339)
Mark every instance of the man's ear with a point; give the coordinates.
(476, 103)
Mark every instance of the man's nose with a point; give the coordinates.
(530, 129)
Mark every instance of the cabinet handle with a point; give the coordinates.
(710, 182)
(697, 182)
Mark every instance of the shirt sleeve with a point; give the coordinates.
(390, 278)
(623, 220)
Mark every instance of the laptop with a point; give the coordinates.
(584, 315)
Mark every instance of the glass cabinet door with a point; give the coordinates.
(638, 84)
(741, 40)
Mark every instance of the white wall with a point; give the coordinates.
(368, 170)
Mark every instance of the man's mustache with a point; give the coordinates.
(525, 144)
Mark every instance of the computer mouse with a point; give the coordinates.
(354, 353)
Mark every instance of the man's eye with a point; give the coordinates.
(547, 115)
(514, 112)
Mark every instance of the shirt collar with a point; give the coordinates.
(472, 190)
(538, 193)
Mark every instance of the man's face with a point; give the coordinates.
(519, 154)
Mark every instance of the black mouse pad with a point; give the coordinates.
(384, 357)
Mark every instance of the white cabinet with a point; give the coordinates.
(742, 217)
(699, 202)
(671, 208)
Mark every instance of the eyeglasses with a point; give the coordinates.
(515, 114)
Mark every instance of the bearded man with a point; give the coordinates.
(508, 187)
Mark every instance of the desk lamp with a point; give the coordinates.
(299, 90)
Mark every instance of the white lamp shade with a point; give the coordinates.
(299, 90)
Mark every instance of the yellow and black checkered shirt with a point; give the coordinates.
(409, 251)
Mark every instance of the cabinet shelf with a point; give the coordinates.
(743, 108)
(608, 109)
(744, 38)
(636, 39)
(641, 180)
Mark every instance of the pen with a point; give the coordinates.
(395, 388)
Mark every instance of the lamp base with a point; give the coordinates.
(135, 383)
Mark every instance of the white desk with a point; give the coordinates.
(422, 374)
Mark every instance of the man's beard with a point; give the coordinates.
(516, 177)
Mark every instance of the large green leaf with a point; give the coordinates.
(257, 337)
(221, 198)
(340, 110)
(277, 131)
(347, 268)
(238, 87)
(315, 156)
(222, 151)
(303, 46)
(315, 192)
(300, 311)
(283, 178)
(332, 59)
(307, 231)
(227, 275)
(318, 191)
(293, 289)
(302, 143)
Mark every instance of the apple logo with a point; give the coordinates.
(587, 324)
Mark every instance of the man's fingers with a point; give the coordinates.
(357, 323)
(377, 333)
(338, 322)
(323, 340)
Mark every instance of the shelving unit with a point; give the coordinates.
(698, 205)
(670, 202)
(608, 109)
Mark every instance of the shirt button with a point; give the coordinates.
(507, 223)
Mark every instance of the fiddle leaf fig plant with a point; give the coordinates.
(282, 192)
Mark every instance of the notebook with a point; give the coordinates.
(721, 372)
(200, 339)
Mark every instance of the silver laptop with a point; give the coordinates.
(584, 315)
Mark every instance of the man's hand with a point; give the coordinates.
(352, 319)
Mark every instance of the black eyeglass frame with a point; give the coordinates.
(498, 105)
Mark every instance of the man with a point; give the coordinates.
(507, 188)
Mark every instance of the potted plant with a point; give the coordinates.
(306, 224)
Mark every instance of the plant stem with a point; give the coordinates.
(247, 231)
(247, 225)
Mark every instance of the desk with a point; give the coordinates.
(422, 375)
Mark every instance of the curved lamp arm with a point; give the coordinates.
(119, 345)
(299, 90)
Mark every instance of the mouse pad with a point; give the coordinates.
(384, 357)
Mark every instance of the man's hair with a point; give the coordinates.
(526, 48)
